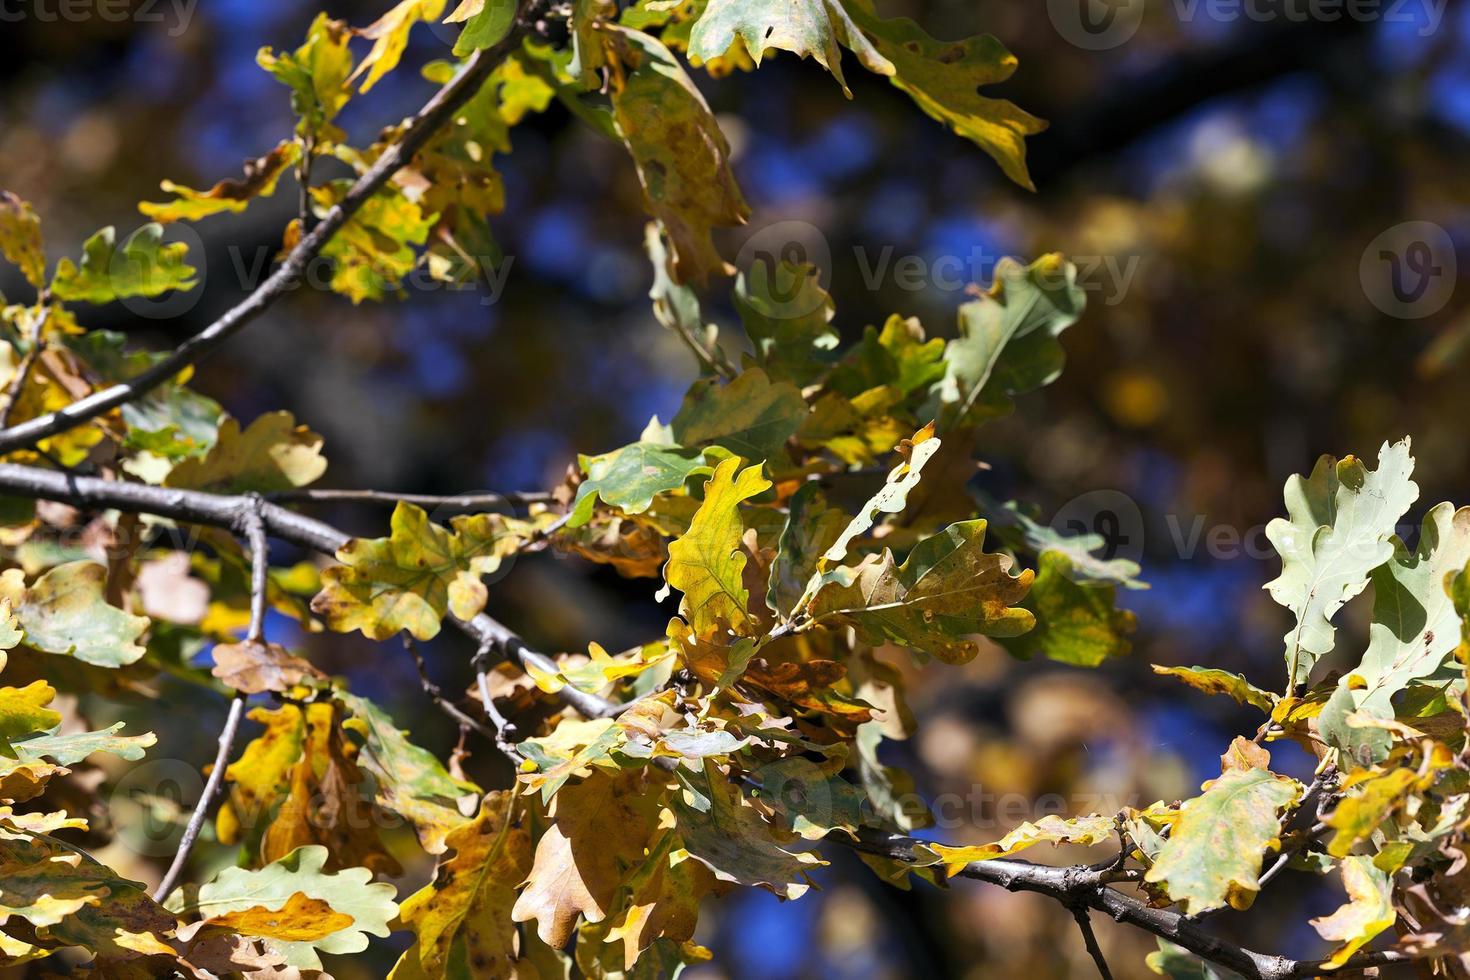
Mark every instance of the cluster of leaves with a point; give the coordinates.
(808, 505)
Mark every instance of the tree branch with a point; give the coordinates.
(253, 527)
(438, 111)
(220, 510)
(1073, 887)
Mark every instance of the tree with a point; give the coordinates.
(807, 504)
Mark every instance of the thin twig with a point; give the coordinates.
(303, 178)
(417, 131)
(255, 534)
(505, 730)
(1089, 939)
(468, 503)
(436, 693)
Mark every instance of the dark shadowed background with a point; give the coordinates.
(1234, 181)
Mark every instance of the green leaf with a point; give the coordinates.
(811, 800)
(1008, 339)
(943, 78)
(1339, 527)
(707, 563)
(682, 158)
(811, 528)
(726, 834)
(410, 579)
(349, 891)
(316, 73)
(65, 612)
(1214, 852)
(788, 317)
(807, 28)
(1414, 632)
(751, 416)
(1368, 912)
(898, 357)
(144, 266)
(410, 780)
(946, 590)
(171, 420)
(228, 196)
(20, 238)
(1076, 623)
(69, 749)
(1213, 681)
(629, 478)
(486, 23)
(273, 453)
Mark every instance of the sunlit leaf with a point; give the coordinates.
(231, 195)
(1338, 528)
(1369, 910)
(629, 478)
(1051, 829)
(20, 238)
(348, 892)
(412, 578)
(1008, 339)
(144, 266)
(1415, 629)
(683, 159)
(707, 564)
(946, 590)
(66, 612)
(1213, 856)
(317, 74)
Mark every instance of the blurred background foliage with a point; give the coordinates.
(1219, 183)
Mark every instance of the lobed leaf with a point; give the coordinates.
(1338, 528)
(1213, 855)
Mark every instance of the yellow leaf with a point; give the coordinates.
(1369, 910)
(706, 564)
(389, 35)
(300, 919)
(1090, 830)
